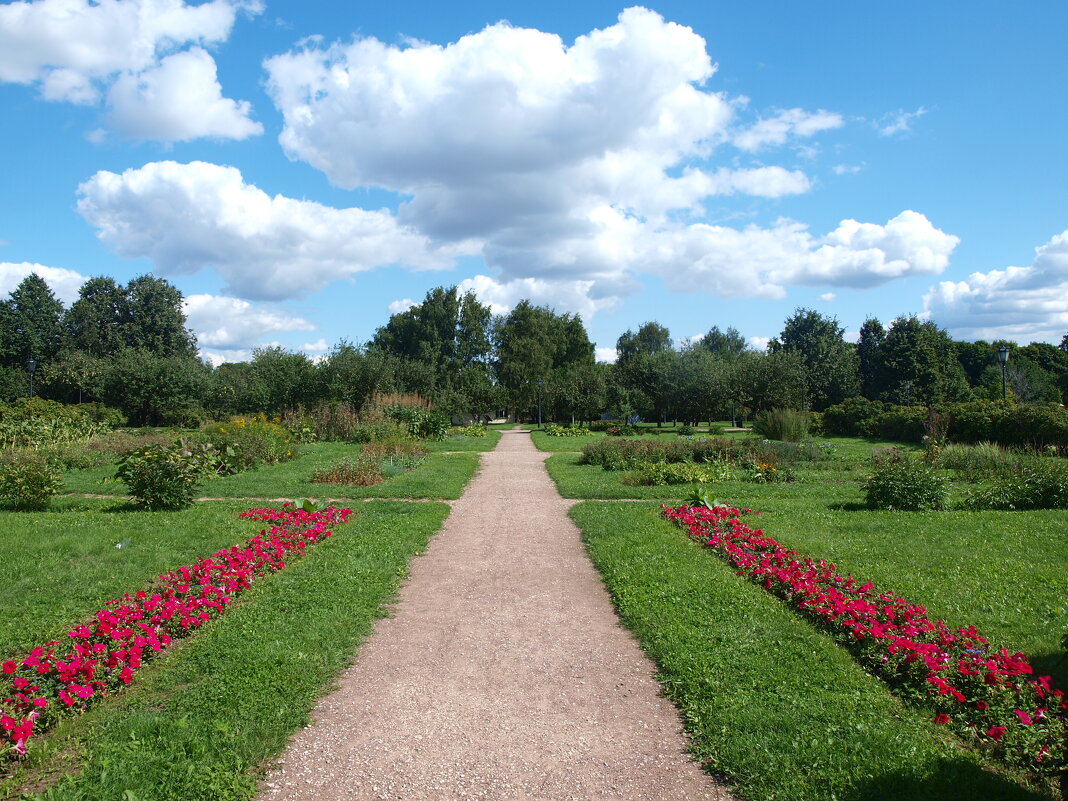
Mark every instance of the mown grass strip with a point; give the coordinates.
(442, 477)
(769, 702)
(57, 568)
(204, 721)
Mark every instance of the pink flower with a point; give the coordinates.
(995, 733)
(1025, 719)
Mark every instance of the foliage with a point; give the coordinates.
(378, 431)
(976, 462)
(375, 462)
(421, 422)
(566, 431)
(251, 441)
(30, 323)
(37, 423)
(1035, 485)
(901, 483)
(899, 423)
(686, 430)
(847, 419)
(28, 478)
(161, 477)
(475, 430)
(662, 473)
(787, 425)
(830, 363)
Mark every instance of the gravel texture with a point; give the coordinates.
(502, 674)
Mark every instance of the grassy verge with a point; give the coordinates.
(205, 720)
(462, 443)
(769, 702)
(543, 442)
(443, 476)
(57, 568)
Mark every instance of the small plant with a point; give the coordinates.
(905, 484)
(251, 441)
(686, 430)
(1030, 487)
(663, 473)
(29, 479)
(566, 431)
(160, 477)
(787, 425)
(475, 430)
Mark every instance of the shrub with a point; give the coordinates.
(1032, 486)
(105, 415)
(251, 441)
(38, 423)
(662, 473)
(603, 425)
(788, 425)
(906, 484)
(375, 462)
(421, 422)
(900, 423)
(379, 431)
(624, 430)
(326, 422)
(160, 477)
(473, 430)
(686, 430)
(565, 431)
(355, 472)
(846, 418)
(185, 417)
(28, 479)
(975, 462)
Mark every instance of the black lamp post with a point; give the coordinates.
(540, 382)
(31, 365)
(908, 392)
(1003, 358)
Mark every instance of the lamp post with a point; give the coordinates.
(31, 365)
(540, 382)
(1003, 358)
(908, 392)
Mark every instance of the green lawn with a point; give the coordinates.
(459, 442)
(771, 703)
(443, 476)
(204, 721)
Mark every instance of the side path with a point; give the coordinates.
(503, 673)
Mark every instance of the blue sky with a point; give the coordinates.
(299, 170)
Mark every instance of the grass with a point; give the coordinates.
(543, 442)
(443, 476)
(769, 702)
(204, 721)
(56, 568)
(462, 443)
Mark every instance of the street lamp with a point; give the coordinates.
(31, 365)
(1003, 358)
(540, 382)
(908, 392)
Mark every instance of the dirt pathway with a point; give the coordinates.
(503, 673)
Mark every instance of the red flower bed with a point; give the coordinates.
(986, 693)
(103, 655)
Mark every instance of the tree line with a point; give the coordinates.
(129, 348)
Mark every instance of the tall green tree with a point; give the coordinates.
(30, 323)
(919, 363)
(155, 318)
(869, 359)
(95, 322)
(650, 338)
(831, 372)
(727, 344)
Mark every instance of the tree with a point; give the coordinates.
(729, 344)
(286, 378)
(531, 342)
(351, 375)
(31, 322)
(145, 385)
(919, 363)
(154, 318)
(94, 323)
(869, 364)
(831, 372)
(651, 338)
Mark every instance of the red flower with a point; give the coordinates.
(1025, 719)
(941, 720)
(10, 667)
(995, 732)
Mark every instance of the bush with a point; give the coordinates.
(899, 423)
(185, 417)
(160, 477)
(1030, 487)
(105, 415)
(661, 473)
(376, 462)
(28, 479)
(421, 422)
(247, 442)
(326, 422)
(906, 484)
(473, 430)
(379, 431)
(603, 425)
(566, 431)
(976, 462)
(845, 419)
(38, 423)
(686, 430)
(787, 425)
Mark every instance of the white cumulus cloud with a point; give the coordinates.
(1020, 303)
(179, 100)
(233, 324)
(563, 296)
(186, 217)
(63, 283)
(787, 123)
(74, 50)
(401, 306)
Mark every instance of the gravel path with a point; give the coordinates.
(502, 674)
